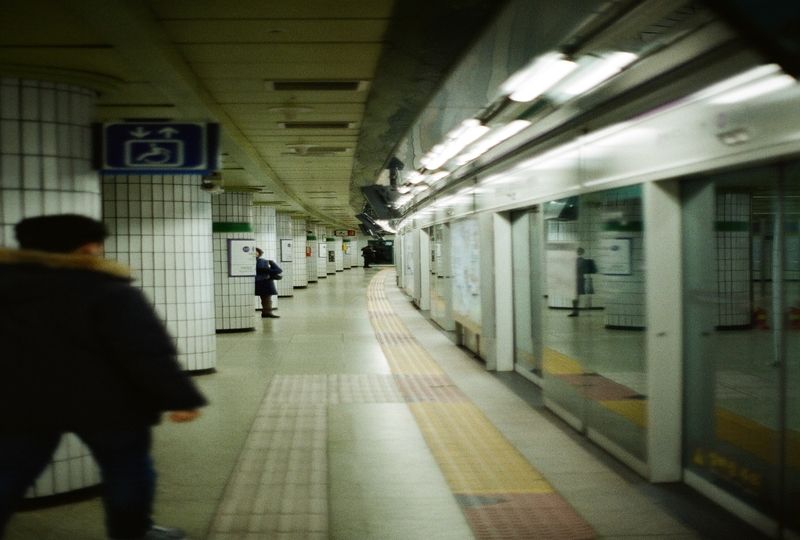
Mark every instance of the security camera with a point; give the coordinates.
(212, 183)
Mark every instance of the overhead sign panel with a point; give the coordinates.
(157, 147)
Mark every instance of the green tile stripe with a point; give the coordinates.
(230, 227)
(732, 226)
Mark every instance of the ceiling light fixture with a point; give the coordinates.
(491, 140)
(770, 84)
(455, 141)
(593, 72)
(532, 81)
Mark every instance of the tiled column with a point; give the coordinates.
(266, 232)
(339, 255)
(299, 262)
(346, 247)
(322, 252)
(623, 295)
(311, 261)
(160, 226)
(330, 265)
(45, 168)
(286, 285)
(45, 152)
(733, 260)
(233, 296)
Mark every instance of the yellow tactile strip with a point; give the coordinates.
(501, 494)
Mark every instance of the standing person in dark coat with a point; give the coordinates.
(368, 252)
(104, 369)
(583, 267)
(266, 271)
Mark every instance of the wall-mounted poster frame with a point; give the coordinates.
(286, 250)
(322, 250)
(617, 256)
(241, 257)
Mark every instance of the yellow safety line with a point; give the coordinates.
(473, 455)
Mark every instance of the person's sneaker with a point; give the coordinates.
(271, 316)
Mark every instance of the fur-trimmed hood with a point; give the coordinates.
(63, 261)
(28, 277)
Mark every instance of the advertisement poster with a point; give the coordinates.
(615, 258)
(322, 251)
(241, 257)
(286, 250)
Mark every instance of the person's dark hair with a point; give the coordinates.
(259, 251)
(61, 233)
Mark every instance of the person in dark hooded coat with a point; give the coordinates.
(83, 352)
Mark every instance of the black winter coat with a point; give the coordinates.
(81, 348)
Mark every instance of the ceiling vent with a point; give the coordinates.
(316, 125)
(315, 151)
(317, 86)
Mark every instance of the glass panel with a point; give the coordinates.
(465, 260)
(791, 277)
(441, 303)
(526, 356)
(593, 349)
(733, 244)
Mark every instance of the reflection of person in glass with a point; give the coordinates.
(582, 268)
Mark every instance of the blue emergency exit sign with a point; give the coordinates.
(157, 148)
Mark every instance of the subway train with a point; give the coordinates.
(629, 241)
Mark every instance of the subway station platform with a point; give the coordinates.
(354, 416)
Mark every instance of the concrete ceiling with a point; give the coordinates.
(305, 151)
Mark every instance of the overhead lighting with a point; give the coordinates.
(491, 140)
(455, 141)
(772, 83)
(402, 201)
(435, 177)
(385, 226)
(420, 188)
(535, 79)
(595, 72)
(414, 177)
(403, 189)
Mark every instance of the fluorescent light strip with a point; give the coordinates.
(491, 140)
(538, 77)
(584, 79)
(465, 134)
(755, 89)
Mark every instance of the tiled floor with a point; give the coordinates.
(313, 433)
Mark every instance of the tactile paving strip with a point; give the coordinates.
(510, 516)
(280, 484)
(501, 494)
(436, 388)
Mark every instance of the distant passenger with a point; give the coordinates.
(368, 252)
(583, 283)
(83, 352)
(267, 271)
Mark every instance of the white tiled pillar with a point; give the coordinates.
(45, 152)
(339, 254)
(311, 261)
(733, 260)
(232, 215)
(322, 252)
(265, 228)
(45, 168)
(623, 295)
(300, 270)
(347, 245)
(330, 265)
(285, 259)
(160, 226)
